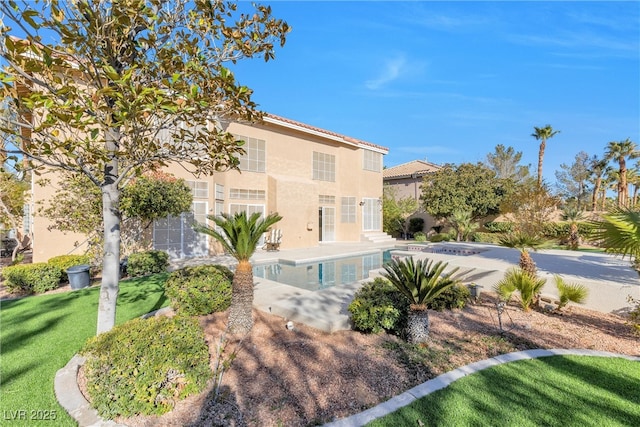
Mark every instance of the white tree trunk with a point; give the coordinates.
(111, 257)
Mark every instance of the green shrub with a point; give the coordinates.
(199, 290)
(499, 226)
(481, 237)
(145, 365)
(63, 262)
(634, 315)
(32, 278)
(440, 237)
(148, 262)
(454, 297)
(378, 306)
(420, 237)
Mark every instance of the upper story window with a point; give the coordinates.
(372, 161)
(324, 167)
(254, 158)
(240, 193)
(199, 189)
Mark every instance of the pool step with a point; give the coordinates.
(376, 237)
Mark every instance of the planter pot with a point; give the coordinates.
(78, 276)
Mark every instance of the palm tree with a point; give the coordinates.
(597, 167)
(619, 232)
(239, 235)
(528, 286)
(462, 223)
(573, 292)
(621, 151)
(542, 134)
(523, 242)
(420, 282)
(573, 215)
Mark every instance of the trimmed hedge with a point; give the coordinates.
(148, 262)
(63, 262)
(32, 278)
(454, 297)
(199, 290)
(145, 365)
(499, 226)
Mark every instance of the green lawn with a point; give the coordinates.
(39, 334)
(549, 391)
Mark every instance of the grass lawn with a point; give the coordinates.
(549, 391)
(39, 334)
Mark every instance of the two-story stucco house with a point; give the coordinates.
(326, 186)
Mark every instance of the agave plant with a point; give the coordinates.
(573, 292)
(523, 242)
(420, 281)
(528, 287)
(240, 236)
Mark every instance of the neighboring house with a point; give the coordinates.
(406, 181)
(326, 186)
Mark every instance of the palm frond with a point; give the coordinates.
(619, 232)
(574, 292)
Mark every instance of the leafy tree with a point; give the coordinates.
(620, 151)
(396, 211)
(542, 134)
(12, 200)
(505, 162)
(572, 179)
(421, 282)
(126, 85)
(239, 235)
(530, 206)
(468, 187)
(146, 198)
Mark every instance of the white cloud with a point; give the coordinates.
(392, 70)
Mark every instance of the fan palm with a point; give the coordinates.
(570, 292)
(420, 281)
(523, 242)
(542, 134)
(619, 232)
(573, 215)
(621, 151)
(239, 234)
(528, 287)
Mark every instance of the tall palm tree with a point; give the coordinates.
(620, 151)
(239, 234)
(542, 134)
(420, 281)
(597, 168)
(523, 242)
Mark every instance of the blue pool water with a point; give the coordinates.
(323, 274)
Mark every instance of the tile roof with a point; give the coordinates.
(333, 135)
(406, 170)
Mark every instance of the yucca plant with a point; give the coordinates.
(573, 292)
(523, 242)
(528, 287)
(240, 236)
(420, 281)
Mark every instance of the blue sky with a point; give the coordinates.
(448, 81)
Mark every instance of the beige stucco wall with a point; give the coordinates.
(287, 181)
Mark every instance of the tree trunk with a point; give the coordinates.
(110, 286)
(540, 157)
(240, 311)
(418, 324)
(527, 263)
(594, 198)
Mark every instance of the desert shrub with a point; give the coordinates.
(378, 306)
(456, 296)
(499, 226)
(440, 237)
(145, 365)
(634, 315)
(148, 262)
(199, 290)
(416, 225)
(481, 237)
(420, 237)
(63, 262)
(32, 278)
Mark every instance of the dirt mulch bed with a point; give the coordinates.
(306, 377)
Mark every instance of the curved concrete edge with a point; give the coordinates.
(71, 399)
(444, 380)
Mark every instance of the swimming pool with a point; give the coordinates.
(323, 274)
